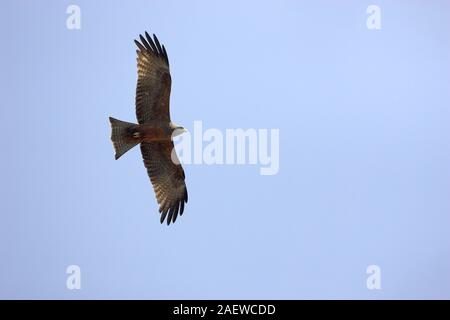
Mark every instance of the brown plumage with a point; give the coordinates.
(154, 130)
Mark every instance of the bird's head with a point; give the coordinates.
(177, 129)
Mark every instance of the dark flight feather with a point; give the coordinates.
(154, 83)
(150, 41)
(167, 178)
(157, 44)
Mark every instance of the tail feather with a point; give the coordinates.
(121, 136)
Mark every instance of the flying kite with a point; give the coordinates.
(154, 130)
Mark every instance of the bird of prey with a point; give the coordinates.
(154, 130)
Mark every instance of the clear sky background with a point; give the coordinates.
(364, 151)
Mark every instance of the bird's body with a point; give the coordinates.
(154, 130)
(150, 133)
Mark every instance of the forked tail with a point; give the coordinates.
(122, 136)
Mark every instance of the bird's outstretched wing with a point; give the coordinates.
(167, 178)
(154, 81)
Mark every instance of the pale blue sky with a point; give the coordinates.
(364, 151)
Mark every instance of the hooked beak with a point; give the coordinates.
(179, 131)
